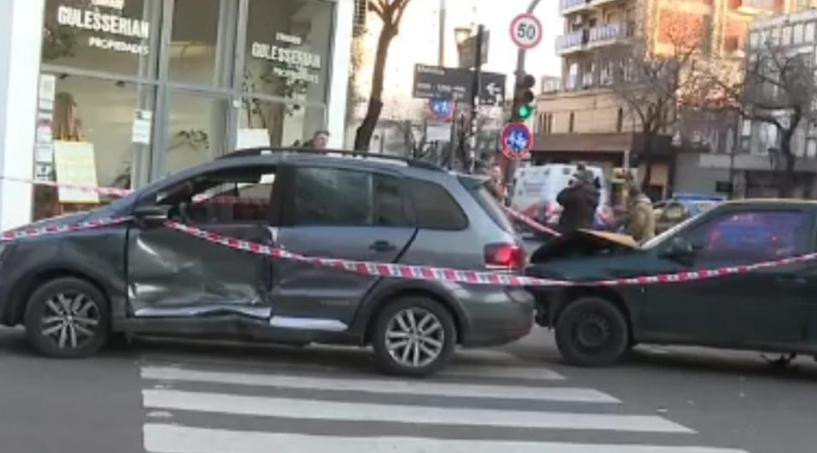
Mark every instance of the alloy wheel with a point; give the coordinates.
(415, 337)
(70, 320)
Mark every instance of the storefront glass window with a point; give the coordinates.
(196, 130)
(119, 36)
(263, 123)
(102, 113)
(199, 41)
(288, 48)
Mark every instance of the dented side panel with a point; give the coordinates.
(172, 274)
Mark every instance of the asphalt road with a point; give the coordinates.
(165, 396)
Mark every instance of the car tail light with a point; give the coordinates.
(504, 256)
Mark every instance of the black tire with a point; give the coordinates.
(67, 318)
(592, 332)
(386, 325)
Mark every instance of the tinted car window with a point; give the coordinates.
(434, 208)
(328, 196)
(389, 209)
(752, 236)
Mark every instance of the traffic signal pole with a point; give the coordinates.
(510, 168)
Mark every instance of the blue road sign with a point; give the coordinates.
(517, 141)
(441, 109)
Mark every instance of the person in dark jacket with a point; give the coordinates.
(579, 201)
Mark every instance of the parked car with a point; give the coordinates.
(535, 189)
(72, 290)
(769, 310)
(682, 206)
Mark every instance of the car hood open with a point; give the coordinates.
(583, 243)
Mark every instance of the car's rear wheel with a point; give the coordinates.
(66, 318)
(591, 332)
(414, 336)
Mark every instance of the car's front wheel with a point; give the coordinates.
(67, 317)
(591, 332)
(414, 336)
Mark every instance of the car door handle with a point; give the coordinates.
(792, 279)
(382, 246)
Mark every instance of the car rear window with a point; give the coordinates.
(476, 187)
(434, 208)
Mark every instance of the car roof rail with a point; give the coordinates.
(260, 151)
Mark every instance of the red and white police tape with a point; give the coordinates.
(32, 232)
(530, 222)
(474, 277)
(399, 270)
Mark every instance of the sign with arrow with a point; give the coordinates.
(432, 82)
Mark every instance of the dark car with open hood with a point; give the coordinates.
(742, 275)
(194, 259)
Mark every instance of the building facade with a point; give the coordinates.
(586, 120)
(122, 92)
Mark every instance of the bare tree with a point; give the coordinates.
(654, 86)
(777, 87)
(390, 13)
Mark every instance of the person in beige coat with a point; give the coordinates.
(640, 216)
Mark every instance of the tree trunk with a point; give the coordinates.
(786, 179)
(364, 132)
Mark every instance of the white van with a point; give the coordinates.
(535, 189)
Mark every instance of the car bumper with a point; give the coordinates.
(496, 316)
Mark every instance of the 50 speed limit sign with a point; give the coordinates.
(526, 31)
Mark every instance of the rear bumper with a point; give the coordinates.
(496, 316)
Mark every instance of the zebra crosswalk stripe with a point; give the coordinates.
(397, 413)
(162, 438)
(381, 386)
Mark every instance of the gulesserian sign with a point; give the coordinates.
(300, 62)
(101, 22)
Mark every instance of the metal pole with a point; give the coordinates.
(441, 60)
(510, 169)
(475, 88)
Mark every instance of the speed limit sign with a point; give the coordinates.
(526, 31)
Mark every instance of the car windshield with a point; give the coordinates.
(667, 234)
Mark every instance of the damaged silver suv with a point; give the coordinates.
(72, 290)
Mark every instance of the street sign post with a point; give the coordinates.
(516, 141)
(432, 82)
(526, 31)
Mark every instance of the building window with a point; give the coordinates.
(571, 122)
(620, 120)
(798, 33)
(809, 32)
(546, 123)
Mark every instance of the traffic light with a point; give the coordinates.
(523, 98)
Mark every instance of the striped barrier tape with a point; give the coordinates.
(530, 222)
(475, 277)
(32, 232)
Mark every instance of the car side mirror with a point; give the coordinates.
(679, 249)
(151, 215)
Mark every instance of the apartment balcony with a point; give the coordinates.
(609, 34)
(572, 42)
(573, 6)
(755, 7)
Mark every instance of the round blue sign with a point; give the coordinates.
(517, 141)
(441, 108)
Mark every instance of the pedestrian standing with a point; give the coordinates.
(319, 141)
(579, 201)
(495, 184)
(640, 216)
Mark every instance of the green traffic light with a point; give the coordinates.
(525, 111)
